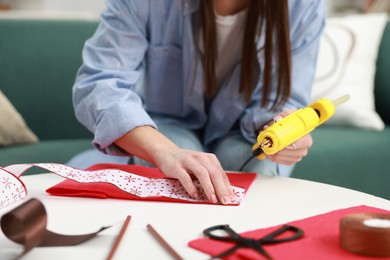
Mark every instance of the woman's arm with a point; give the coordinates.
(150, 145)
(106, 102)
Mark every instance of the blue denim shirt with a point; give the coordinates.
(140, 68)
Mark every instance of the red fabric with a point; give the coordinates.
(106, 190)
(320, 241)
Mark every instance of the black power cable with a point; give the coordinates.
(255, 153)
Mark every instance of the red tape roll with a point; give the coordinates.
(366, 234)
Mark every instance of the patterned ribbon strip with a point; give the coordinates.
(13, 189)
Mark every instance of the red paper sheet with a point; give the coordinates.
(320, 241)
(106, 190)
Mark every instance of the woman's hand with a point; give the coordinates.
(294, 152)
(185, 165)
(148, 144)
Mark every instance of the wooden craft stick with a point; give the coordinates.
(119, 238)
(161, 240)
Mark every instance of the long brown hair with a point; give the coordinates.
(270, 16)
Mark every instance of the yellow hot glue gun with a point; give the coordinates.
(294, 126)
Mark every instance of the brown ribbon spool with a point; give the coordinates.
(26, 225)
(366, 234)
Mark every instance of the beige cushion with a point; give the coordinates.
(346, 65)
(13, 129)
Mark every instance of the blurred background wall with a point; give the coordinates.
(94, 7)
(58, 5)
(90, 8)
(343, 7)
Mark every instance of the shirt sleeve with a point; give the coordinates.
(105, 91)
(307, 21)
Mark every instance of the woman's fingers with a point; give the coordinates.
(183, 164)
(287, 159)
(294, 154)
(215, 175)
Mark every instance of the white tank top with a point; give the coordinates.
(230, 33)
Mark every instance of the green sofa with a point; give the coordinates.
(39, 60)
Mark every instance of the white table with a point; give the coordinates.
(270, 201)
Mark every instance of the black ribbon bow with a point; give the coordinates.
(255, 244)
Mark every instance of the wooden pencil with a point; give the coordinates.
(119, 238)
(164, 243)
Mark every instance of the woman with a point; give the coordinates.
(187, 85)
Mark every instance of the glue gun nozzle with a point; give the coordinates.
(267, 142)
